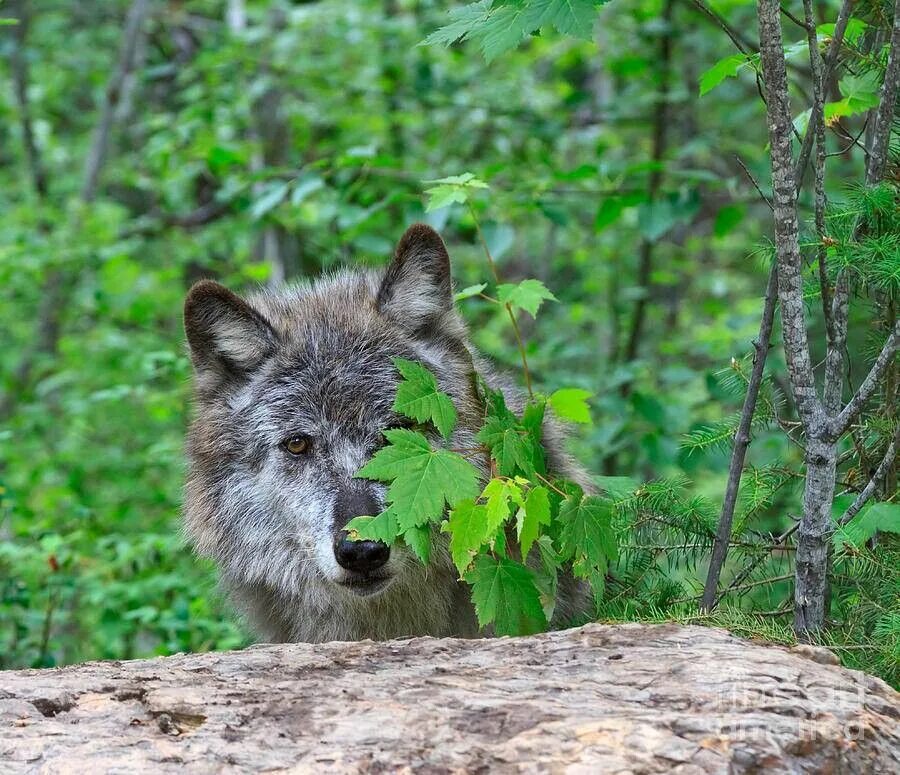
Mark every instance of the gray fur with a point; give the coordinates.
(316, 359)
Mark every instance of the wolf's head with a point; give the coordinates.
(293, 390)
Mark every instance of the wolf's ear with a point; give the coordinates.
(226, 335)
(416, 289)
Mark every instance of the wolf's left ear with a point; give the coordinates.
(416, 289)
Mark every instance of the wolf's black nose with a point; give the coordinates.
(360, 556)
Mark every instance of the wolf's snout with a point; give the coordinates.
(360, 556)
(357, 556)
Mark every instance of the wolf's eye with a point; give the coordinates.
(298, 445)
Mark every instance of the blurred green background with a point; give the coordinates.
(257, 141)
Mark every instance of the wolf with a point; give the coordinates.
(293, 389)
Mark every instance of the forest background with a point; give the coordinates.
(147, 144)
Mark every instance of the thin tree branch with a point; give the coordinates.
(134, 21)
(869, 385)
(741, 442)
(884, 118)
(837, 39)
(750, 177)
(742, 44)
(868, 491)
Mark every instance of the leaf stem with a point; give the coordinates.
(507, 305)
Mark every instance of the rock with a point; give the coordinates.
(626, 698)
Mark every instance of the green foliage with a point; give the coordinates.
(297, 144)
(418, 397)
(527, 295)
(505, 596)
(453, 190)
(514, 502)
(422, 479)
(571, 404)
(728, 67)
(500, 26)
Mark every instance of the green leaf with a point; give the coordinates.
(454, 189)
(617, 487)
(728, 218)
(724, 68)
(608, 213)
(467, 526)
(571, 404)
(657, 217)
(570, 17)
(418, 539)
(873, 518)
(511, 446)
(505, 594)
(418, 397)
(472, 290)
(587, 534)
(527, 295)
(422, 479)
(463, 21)
(547, 581)
(501, 26)
(304, 187)
(273, 196)
(406, 449)
(498, 494)
(382, 527)
(536, 512)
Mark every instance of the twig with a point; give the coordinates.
(507, 305)
(886, 463)
(883, 120)
(803, 26)
(741, 43)
(869, 385)
(736, 581)
(771, 580)
(741, 442)
(840, 27)
(750, 177)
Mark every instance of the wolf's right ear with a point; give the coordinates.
(416, 289)
(226, 335)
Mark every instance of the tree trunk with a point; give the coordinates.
(626, 698)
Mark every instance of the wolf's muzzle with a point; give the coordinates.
(360, 556)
